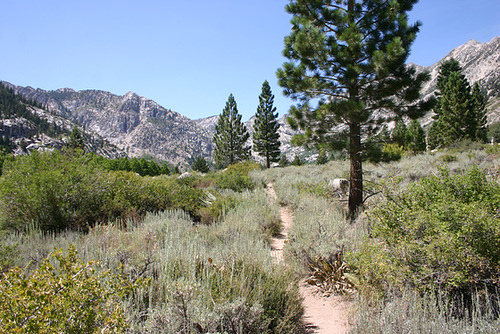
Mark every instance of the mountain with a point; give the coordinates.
(25, 126)
(137, 125)
(141, 127)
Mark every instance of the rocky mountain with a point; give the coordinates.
(140, 126)
(26, 126)
(137, 125)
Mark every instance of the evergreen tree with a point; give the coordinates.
(348, 58)
(479, 102)
(297, 161)
(322, 157)
(399, 133)
(416, 137)
(76, 139)
(200, 165)
(283, 161)
(460, 112)
(164, 170)
(230, 136)
(266, 137)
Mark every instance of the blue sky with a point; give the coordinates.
(189, 55)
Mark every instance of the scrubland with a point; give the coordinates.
(170, 255)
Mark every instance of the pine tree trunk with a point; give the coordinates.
(356, 182)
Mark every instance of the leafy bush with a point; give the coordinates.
(442, 233)
(235, 177)
(392, 152)
(67, 298)
(216, 207)
(70, 192)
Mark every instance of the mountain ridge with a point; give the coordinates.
(141, 127)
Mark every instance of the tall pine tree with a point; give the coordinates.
(399, 133)
(460, 112)
(266, 139)
(347, 72)
(230, 136)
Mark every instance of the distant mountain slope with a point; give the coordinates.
(133, 123)
(25, 126)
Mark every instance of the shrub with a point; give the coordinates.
(235, 177)
(392, 152)
(69, 192)
(67, 298)
(442, 233)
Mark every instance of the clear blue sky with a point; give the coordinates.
(189, 55)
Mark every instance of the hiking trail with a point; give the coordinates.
(323, 315)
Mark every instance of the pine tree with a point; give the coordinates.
(230, 136)
(322, 157)
(200, 165)
(266, 137)
(460, 113)
(399, 133)
(479, 102)
(348, 58)
(76, 139)
(416, 137)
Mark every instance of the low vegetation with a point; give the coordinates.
(191, 255)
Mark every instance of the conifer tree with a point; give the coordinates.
(200, 165)
(347, 72)
(460, 113)
(399, 133)
(479, 102)
(266, 139)
(230, 136)
(416, 137)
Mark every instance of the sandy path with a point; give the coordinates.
(322, 315)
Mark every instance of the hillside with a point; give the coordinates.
(26, 125)
(134, 124)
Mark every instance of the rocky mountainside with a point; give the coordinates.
(26, 126)
(140, 126)
(137, 125)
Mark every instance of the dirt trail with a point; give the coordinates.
(323, 315)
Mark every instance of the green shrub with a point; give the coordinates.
(216, 207)
(235, 177)
(443, 232)
(67, 298)
(448, 158)
(392, 152)
(53, 191)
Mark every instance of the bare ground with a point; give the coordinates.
(323, 315)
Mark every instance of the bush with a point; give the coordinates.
(69, 192)
(392, 152)
(235, 177)
(67, 298)
(442, 233)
